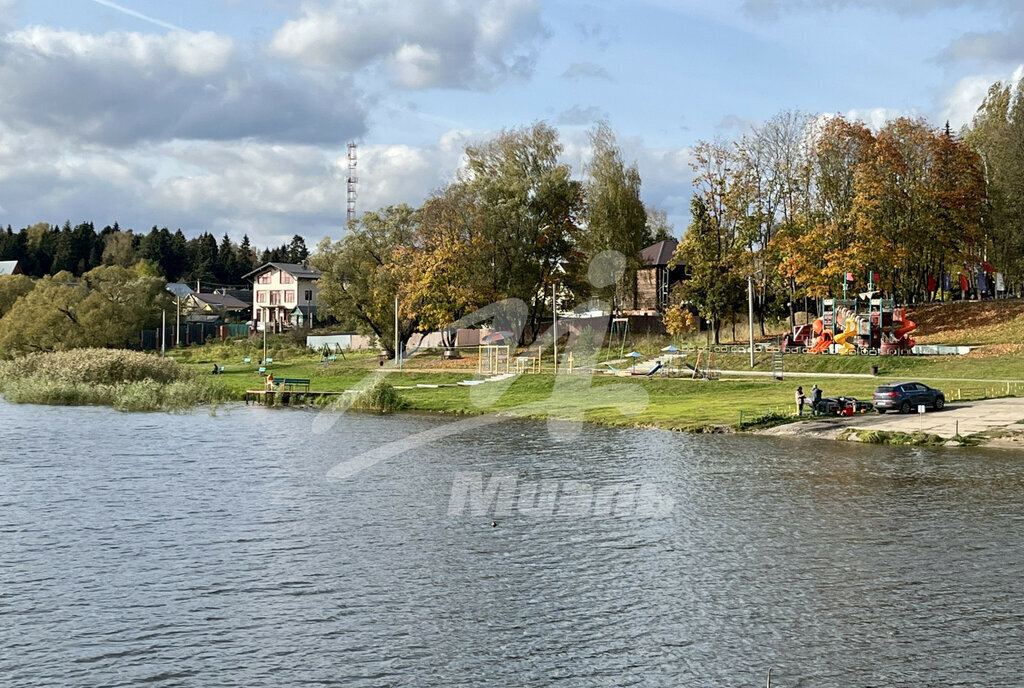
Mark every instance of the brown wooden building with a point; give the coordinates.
(654, 278)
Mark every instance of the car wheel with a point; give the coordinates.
(881, 412)
(939, 403)
(905, 407)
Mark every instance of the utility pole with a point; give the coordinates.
(750, 315)
(265, 323)
(397, 358)
(554, 323)
(163, 332)
(177, 324)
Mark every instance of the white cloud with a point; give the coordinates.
(270, 191)
(961, 102)
(423, 44)
(876, 118)
(121, 87)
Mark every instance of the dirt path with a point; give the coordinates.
(969, 418)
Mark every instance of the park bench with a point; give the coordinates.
(292, 384)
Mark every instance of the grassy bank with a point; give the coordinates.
(669, 403)
(126, 380)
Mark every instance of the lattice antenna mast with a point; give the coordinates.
(352, 181)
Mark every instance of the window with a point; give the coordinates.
(286, 278)
(289, 296)
(309, 295)
(265, 278)
(261, 296)
(275, 298)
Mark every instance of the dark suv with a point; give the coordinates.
(907, 396)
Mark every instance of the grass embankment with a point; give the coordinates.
(670, 403)
(629, 402)
(126, 380)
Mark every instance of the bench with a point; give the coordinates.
(292, 384)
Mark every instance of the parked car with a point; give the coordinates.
(907, 396)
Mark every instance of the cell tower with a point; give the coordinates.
(352, 181)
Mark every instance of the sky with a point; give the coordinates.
(232, 116)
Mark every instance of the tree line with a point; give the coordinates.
(514, 225)
(805, 206)
(43, 249)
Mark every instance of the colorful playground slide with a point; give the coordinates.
(906, 328)
(823, 344)
(843, 338)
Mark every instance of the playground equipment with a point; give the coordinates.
(843, 338)
(881, 329)
(705, 366)
(494, 359)
(527, 364)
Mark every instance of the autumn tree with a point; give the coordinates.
(447, 276)
(716, 286)
(997, 135)
(616, 219)
(364, 272)
(528, 208)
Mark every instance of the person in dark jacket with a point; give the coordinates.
(815, 398)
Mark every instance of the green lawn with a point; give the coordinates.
(669, 403)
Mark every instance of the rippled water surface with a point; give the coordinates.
(212, 550)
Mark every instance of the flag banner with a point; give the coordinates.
(1000, 285)
(849, 277)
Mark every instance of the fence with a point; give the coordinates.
(191, 333)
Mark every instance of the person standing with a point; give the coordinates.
(801, 398)
(815, 398)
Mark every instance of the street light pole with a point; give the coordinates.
(398, 359)
(554, 323)
(750, 315)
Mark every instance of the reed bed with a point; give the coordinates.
(125, 380)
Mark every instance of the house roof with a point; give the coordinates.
(293, 269)
(8, 267)
(305, 311)
(658, 254)
(225, 301)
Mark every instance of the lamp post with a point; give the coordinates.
(554, 323)
(750, 315)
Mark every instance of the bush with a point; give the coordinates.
(97, 366)
(126, 380)
(380, 397)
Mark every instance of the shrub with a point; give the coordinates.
(380, 397)
(126, 380)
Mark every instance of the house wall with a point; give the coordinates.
(275, 294)
(343, 341)
(647, 289)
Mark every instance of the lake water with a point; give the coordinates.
(199, 550)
